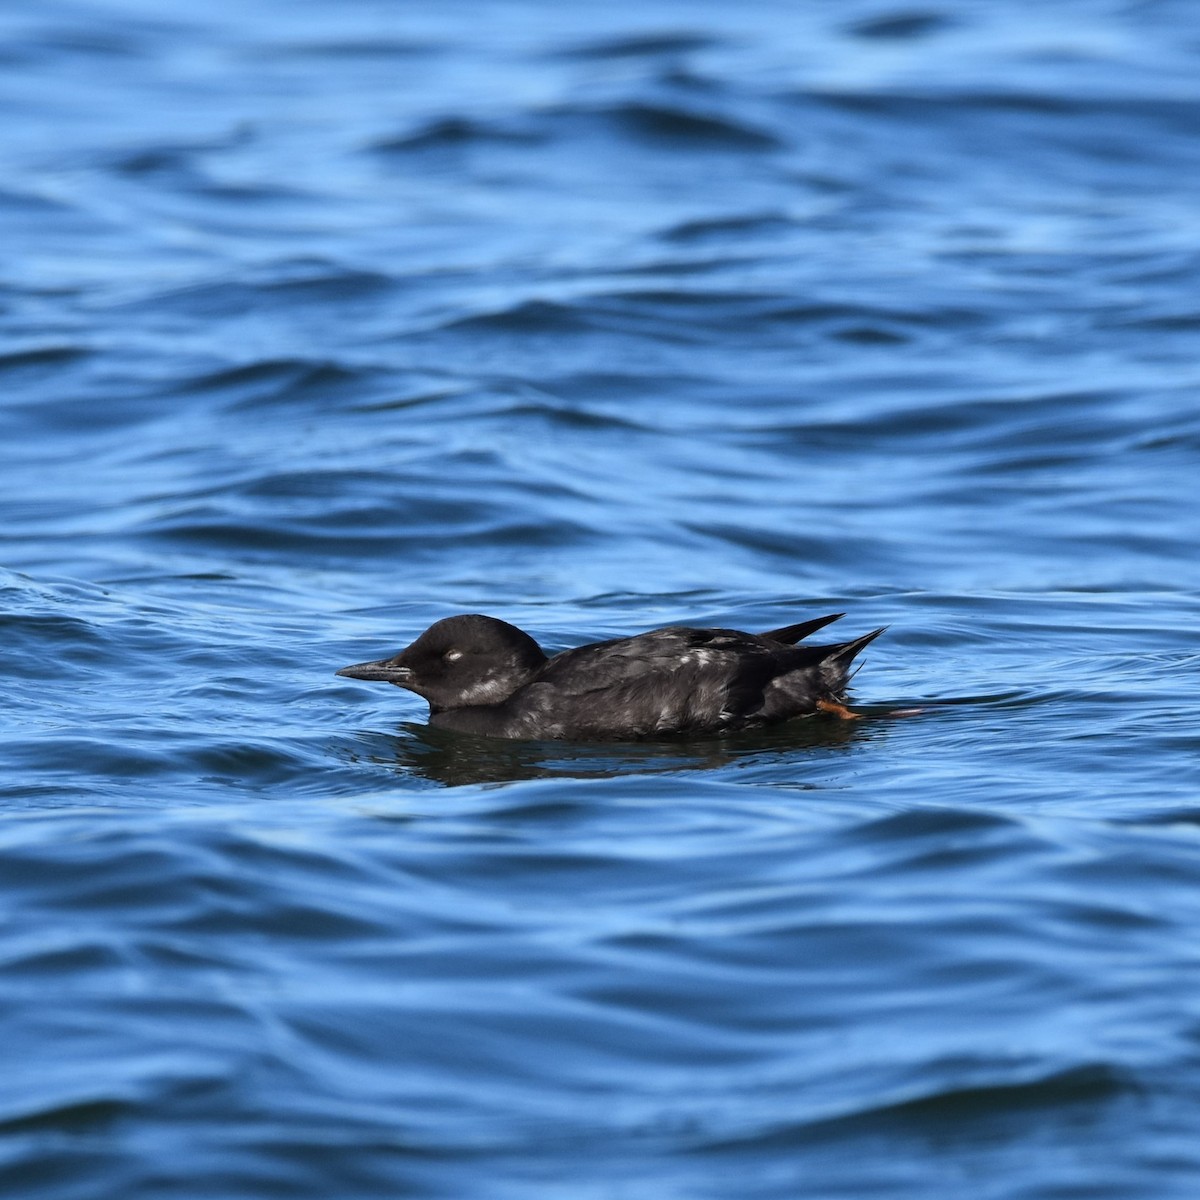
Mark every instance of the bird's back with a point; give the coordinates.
(669, 681)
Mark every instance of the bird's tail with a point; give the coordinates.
(845, 653)
(834, 668)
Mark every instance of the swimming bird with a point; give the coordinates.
(481, 675)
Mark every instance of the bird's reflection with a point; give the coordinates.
(452, 759)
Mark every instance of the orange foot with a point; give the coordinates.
(838, 710)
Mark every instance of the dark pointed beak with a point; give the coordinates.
(385, 671)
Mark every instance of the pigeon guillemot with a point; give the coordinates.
(484, 676)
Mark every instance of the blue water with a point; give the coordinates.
(322, 321)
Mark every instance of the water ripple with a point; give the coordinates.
(316, 328)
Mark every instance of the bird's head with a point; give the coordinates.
(459, 662)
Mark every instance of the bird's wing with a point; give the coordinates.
(791, 634)
(670, 680)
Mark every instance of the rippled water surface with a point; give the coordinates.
(321, 321)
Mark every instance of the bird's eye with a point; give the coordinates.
(452, 655)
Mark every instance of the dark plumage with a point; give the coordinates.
(484, 676)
